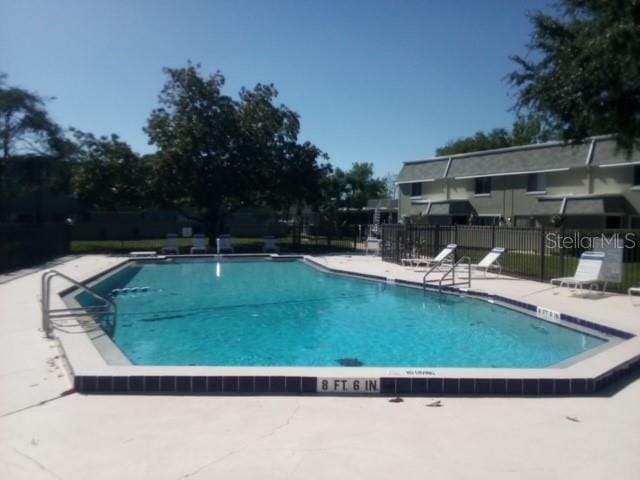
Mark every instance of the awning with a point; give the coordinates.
(382, 204)
(547, 207)
(450, 208)
(596, 206)
(582, 205)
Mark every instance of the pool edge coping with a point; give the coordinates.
(243, 380)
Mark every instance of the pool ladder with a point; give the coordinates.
(451, 270)
(107, 309)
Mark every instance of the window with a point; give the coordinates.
(613, 222)
(416, 189)
(536, 183)
(487, 220)
(636, 176)
(528, 222)
(459, 220)
(483, 186)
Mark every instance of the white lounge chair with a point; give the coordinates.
(633, 290)
(270, 244)
(224, 244)
(199, 244)
(445, 256)
(587, 272)
(373, 246)
(171, 244)
(490, 262)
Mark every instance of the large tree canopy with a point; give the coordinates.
(526, 130)
(217, 154)
(584, 74)
(107, 173)
(496, 138)
(25, 126)
(32, 149)
(360, 185)
(351, 188)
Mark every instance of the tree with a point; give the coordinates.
(360, 185)
(25, 126)
(280, 171)
(584, 78)
(349, 189)
(526, 129)
(531, 128)
(108, 174)
(391, 185)
(496, 138)
(216, 154)
(33, 150)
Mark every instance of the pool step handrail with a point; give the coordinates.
(48, 313)
(433, 267)
(451, 270)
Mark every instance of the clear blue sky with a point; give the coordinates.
(376, 81)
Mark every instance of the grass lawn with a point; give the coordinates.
(241, 245)
(556, 266)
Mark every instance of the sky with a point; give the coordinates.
(373, 81)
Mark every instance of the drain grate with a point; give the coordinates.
(350, 362)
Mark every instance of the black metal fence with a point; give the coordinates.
(292, 238)
(534, 253)
(23, 245)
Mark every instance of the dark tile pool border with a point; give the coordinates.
(307, 385)
(389, 386)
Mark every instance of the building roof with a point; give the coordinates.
(423, 170)
(544, 157)
(605, 153)
(541, 158)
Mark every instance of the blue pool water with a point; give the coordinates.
(267, 313)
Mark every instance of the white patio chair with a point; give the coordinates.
(490, 262)
(199, 244)
(224, 244)
(587, 272)
(632, 291)
(373, 245)
(171, 244)
(270, 244)
(444, 257)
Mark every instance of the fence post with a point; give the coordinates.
(542, 254)
(493, 237)
(405, 241)
(355, 237)
(397, 242)
(455, 240)
(562, 252)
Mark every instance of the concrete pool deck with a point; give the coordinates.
(47, 434)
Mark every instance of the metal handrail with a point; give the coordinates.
(426, 274)
(451, 270)
(48, 313)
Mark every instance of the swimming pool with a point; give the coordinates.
(256, 312)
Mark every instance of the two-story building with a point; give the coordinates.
(590, 184)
